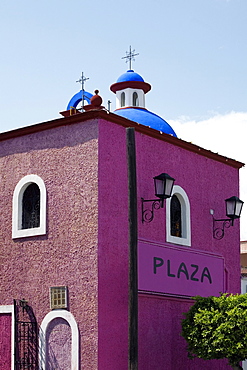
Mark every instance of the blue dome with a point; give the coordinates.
(130, 75)
(146, 118)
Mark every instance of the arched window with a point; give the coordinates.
(67, 318)
(135, 99)
(178, 229)
(175, 217)
(29, 207)
(122, 99)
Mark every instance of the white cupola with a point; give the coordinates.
(130, 90)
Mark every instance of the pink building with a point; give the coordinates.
(64, 238)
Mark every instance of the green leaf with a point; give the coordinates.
(216, 327)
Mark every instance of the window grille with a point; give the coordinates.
(26, 337)
(176, 219)
(58, 297)
(31, 207)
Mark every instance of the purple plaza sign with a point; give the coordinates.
(179, 271)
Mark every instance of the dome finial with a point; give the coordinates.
(82, 82)
(130, 56)
(95, 101)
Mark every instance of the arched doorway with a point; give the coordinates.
(59, 342)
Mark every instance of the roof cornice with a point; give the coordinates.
(103, 114)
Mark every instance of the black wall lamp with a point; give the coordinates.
(233, 210)
(163, 185)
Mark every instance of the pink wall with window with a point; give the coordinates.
(82, 161)
(207, 184)
(66, 158)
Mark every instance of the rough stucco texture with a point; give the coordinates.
(207, 183)
(58, 345)
(5, 341)
(66, 158)
(86, 246)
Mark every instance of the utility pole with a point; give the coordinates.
(133, 282)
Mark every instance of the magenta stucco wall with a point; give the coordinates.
(207, 183)
(83, 166)
(113, 257)
(66, 158)
(5, 341)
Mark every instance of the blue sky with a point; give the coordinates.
(192, 52)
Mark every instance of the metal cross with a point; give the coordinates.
(130, 56)
(81, 81)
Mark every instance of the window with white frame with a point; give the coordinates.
(29, 207)
(58, 297)
(178, 229)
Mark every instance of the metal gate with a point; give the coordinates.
(26, 336)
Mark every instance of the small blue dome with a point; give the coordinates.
(130, 75)
(146, 118)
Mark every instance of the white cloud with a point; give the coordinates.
(223, 134)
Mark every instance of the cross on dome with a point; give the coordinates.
(82, 80)
(130, 56)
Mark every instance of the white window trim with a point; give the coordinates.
(185, 213)
(17, 231)
(10, 309)
(67, 316)
(129, 98)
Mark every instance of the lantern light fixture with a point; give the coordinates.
(163, 185)
(233, 210)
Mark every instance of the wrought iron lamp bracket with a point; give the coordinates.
(219, 231)
(148, 213)
(23, 304)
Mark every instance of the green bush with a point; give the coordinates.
(216, 328)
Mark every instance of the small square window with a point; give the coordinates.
(58, 297)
